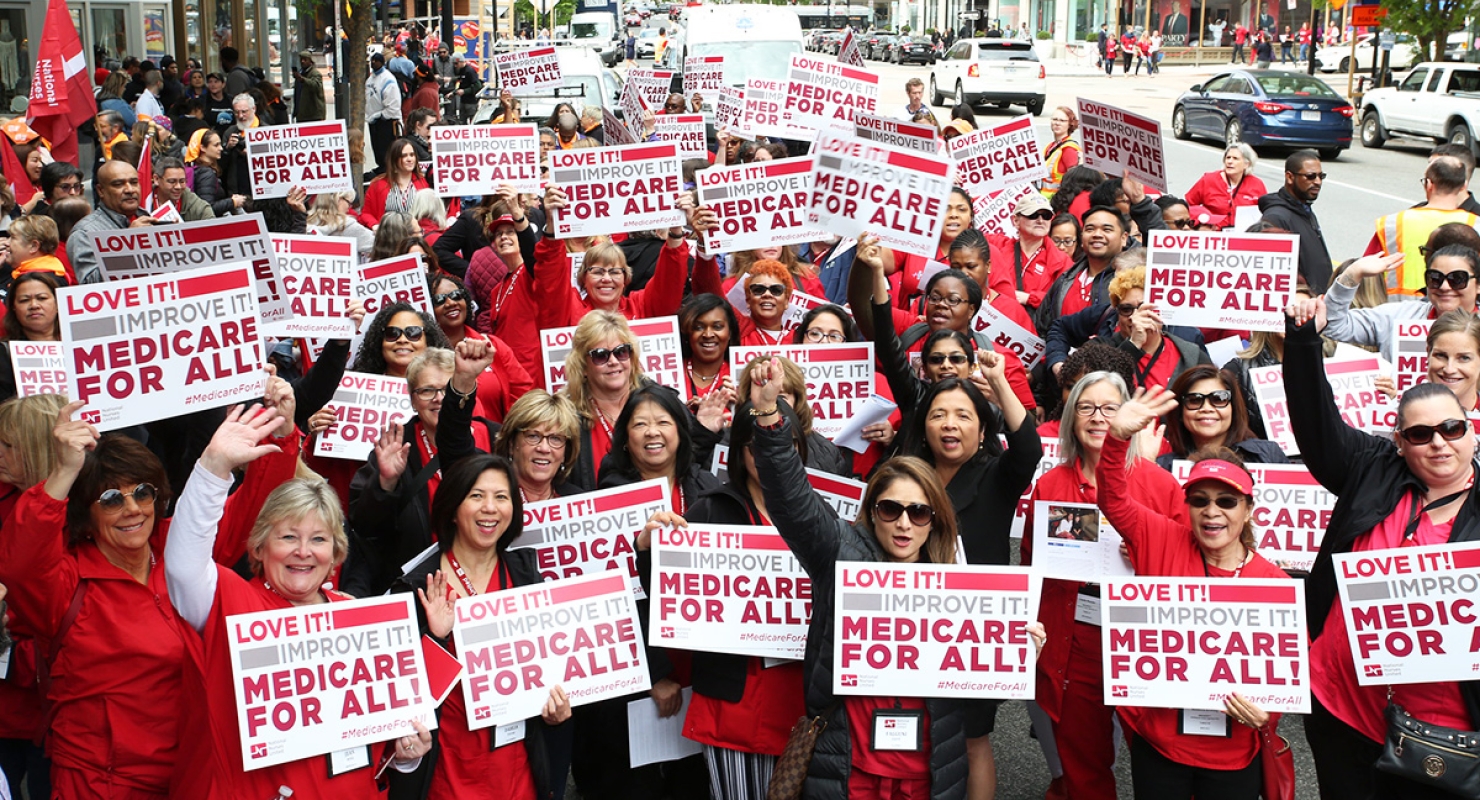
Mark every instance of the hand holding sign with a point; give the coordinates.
(765, 386)
(701, 218)
(411, 748)
(238, 441)
(555, 200)
(1145, 407)
(1236, 706)
(279, 397)
(74, 438)
(658, 521)
(557, 708)
(356, 313)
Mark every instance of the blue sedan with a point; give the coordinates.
(1266, 107)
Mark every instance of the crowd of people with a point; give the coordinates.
(123, 555)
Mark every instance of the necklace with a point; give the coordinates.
(701, 378)
(1248, 556)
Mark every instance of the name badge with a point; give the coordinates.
(767, 662)
(1204, 723)
(342, 761)
(898, 729)
(5, 662)
(1087, 610)
(508, 734)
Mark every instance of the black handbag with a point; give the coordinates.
(1431, 755)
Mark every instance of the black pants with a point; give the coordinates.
(382, 133)
(1345, 762)
(25, 763)
(601, 767)
(1238, 54)
(1155, 775)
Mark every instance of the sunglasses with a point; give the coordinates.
(1457, 279)
(412, 333)
(1127, 309)
(1043, 214)
(1181, 223)
(936, 359)
(1450, 429)
(763, 289)
(1194, 400)
(889, 511)
(456, 296)
(1311, 176)
(601, 355)
(113, 500)
(1227, 502)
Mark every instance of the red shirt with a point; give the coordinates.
(1080, 295)
(1039, 270)
(761, 722)
(912, 765)
(561, 306)
(1157, 367)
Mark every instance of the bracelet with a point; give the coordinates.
(519, 221)
(755, 412)
(549, 234)
(671, 237)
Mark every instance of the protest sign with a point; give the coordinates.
(874, 410)
(993, 213)
(653, 739)
(581, 633)
(317, 679)
(989, 160)
(729, 110)
(659, 353)
(1354, 383)
(40, 367)
(614, 130)
(400, 279)
(840, 377)
(906, 135)
(845, 495)
(704, 79)
(144, 349)
(759, 205)
(363, 405)
(934, 630)
(591, 533)
(1007, 336)
(317, 275)
(684, 130)
(1117, 142)
(764, 111)
(1191, 642)
(313, 156)
(633, 109)
(1291, 512)
(848, 51)
(470, 160)
(1049, 460)
(1075, 542)
(166, 212)
(634, 187)
(652, 85)
(824, 94)
(898, 195)
(526, 71)
(1410, 352)
(1222, 280)
(728, 589)
(1410, 613)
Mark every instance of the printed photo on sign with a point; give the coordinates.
(840, 377)
(758, 205)
(1025, 503)
(1075, 542)
(40, 368)
(1291, 512)
(1191, 642)
(524, 72)
(658, 352)
(1222, 280)
(317, 275)
(934, 630)
(363, 405)
(989, 160)
(313, 156)
(906, 135)
(898, 195)
(470, 160)
(592, 533)
(617, 189)
(1117, 142)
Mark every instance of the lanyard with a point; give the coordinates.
(1418, 514)
(498, 306)
(462, 575)
(679, 505)
(1017, 264)
(1143, 375)
(606, 426)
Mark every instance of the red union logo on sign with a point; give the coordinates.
(667, 630)
(259, 751)
(1373, 670)
(91, 417)
(1120, 691)
(482, 713)
(850, 680)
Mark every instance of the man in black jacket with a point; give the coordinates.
(1290, 209)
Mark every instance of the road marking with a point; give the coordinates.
(1279, 171)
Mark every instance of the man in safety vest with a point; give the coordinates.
(1445, 190)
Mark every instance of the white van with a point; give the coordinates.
(598, 29)
(757, 41)
(588, 81)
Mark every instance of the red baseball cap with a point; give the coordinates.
(1224, 472)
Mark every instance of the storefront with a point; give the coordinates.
(264, 32)
(1182, 23)
(110, 31)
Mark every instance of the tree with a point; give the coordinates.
(358, 17)
(1430, 21)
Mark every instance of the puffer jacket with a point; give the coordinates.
(819, 540)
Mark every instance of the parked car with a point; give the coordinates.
(1266, 107)
(1339, 57)
(912, 50)
(985, 71)
(878, 46)
(1439, 101)
(647, 42)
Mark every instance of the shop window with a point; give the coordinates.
(15, 56)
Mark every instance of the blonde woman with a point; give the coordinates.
(603, 368)
(332, 214)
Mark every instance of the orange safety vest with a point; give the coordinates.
(1405, 232)
(1051, 157)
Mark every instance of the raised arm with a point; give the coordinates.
(1151, 533)
(559, 303)
(1368, 327)
(455, 421)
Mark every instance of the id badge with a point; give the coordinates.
(900, 729)
(5, 663)
(508, 734)
(767, 662)
(342, 761)
(1087, 610)
(1204, 723)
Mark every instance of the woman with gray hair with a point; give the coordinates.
(333, 214)
(1224, 190)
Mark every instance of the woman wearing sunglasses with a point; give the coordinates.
(506, 380)
(1211, 413)
(1219, 507)
(1451, 275)
(1417, 488)
(603, 370)
(1035, 263)
(768, 287)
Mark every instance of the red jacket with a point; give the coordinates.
(375, 195)
(1039, 272)
(1211, 192)
(561, 306)
(425, 96)
(504, 382)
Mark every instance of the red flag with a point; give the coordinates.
(15, 172)
(61, 98)
(146, 177)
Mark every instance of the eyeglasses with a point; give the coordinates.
(1042, 214)
(412, 333)
(1064, 241)
(1457, 279)
(605, 272)
(430, 392)
(1195, 400)
(70, 187)
(936, 359)
(456, 296)
(889, 511)
(1227, 502)
(763, 289)
(673, 107)
(143, 494)
(1310, 176)
(817, 336)
(1183, 224)
(1450, 429)
(1106, 410)
(601, 355)
(949, 302)
(533, 439)
(1127, 309)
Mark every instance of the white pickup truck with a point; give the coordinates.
(1435, 100)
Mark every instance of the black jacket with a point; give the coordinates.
(1099, 321)
(1284, 210)
(819, 540)
(1240, 367)
(1252, 451)
(985, 493)
(208, 188)
(1365, 472)
(1148, 218)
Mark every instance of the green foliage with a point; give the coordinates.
(1430, 21)
(1044, 35)
(524, 11)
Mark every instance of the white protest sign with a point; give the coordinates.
(989, 160)
(1410, 612)
(993, 213)
(1291, 512)
(906, 135)
(876, 409)
(614, 130)
(1049, 460)
(684, 130)
(591, 533)
(1222, 280)
(313, 156)
(840, 377)
(399, 279)
(1191, 642)
(167, 212)
(144, 349)
(633, 109)
(316, 679)
(652, 85)
(848, 51)
(634, 187)
(1075, 542)
(898, 195)
(1008, 336)
(1354, 383)
(934, 630)
(729, 110)
(763, 204)
(40, 367)
(845, 495)
(1117, 142)
(525, 71)
(704, 78)
(363, 405)
(728, 589)
(653, 739)
(1410, 352)
(317, 275)
(764, 114)
(580, 633)
(470, 160)
(826, 94)
(659, 353)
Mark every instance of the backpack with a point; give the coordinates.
(251, 78)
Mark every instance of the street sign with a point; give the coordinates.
(1368, 16)
(1386, 40)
